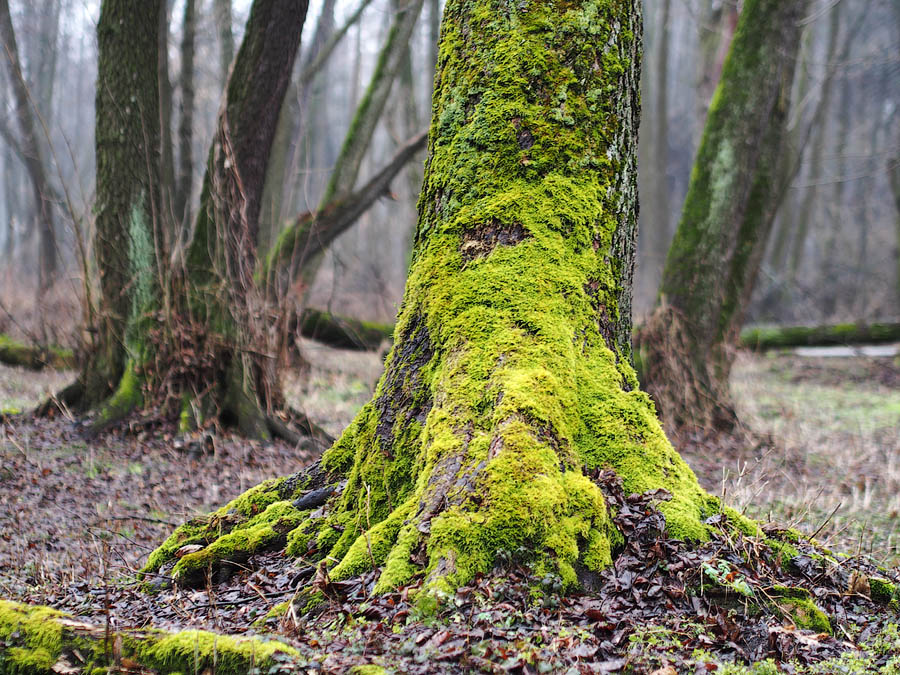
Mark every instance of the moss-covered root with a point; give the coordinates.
(39, 640)
(258, 520)
(127, 397)
(15, 353)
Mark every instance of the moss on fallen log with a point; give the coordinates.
(38, 640)
(343, 332)
(774, 337)
(15, 353)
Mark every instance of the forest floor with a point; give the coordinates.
(820, 452)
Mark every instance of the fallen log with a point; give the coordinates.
(774, 337)
(41, 640)
(342, 332)
(15, 353)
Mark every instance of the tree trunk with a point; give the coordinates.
(718, 22)
(186, 120)
(220, 262)
(510, 381)
(714, 259)
(222, 16)
(356, 144)
(167, 159)
(894, 177)
(33, 151)
(129, 236)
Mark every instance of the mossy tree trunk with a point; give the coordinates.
(219, 289)
(510, 380)
(129, 241)
(685, 347)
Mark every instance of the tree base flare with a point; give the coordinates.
(737, 603)
(690, 390)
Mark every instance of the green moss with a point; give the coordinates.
(32, 631)
(260, 532)
(885, 593)
(127, 397)
(36, 636)
(798, 605)
(510, 375)
(368, 669)
(194, 651)
(207, 529)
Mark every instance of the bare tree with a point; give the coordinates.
(32, 151)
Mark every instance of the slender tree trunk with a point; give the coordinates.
(167, 158)
(718, 21)
(510, 382)
(359, 137)
(714, 259)
(894, 176)
(33, 151)
(186, 120)
(222, 16)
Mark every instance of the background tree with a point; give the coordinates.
(220, 291)
(129, 238)
(686, 346)
(32, 152)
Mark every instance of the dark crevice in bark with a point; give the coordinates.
(478, 242)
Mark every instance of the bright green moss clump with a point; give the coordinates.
(885, 592)
(32, 636)
(798, 605)
(240, 513)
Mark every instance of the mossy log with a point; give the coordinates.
(15, 353)
(38, 640)
(342, 332)
(510, 380)
(774, 337)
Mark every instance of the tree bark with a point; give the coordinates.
(167, 159)
(129, 236)
(186, 120)
(510, 380)
(714, 259)
(894, 177)
(33, 151)
(221, 259)
(222, 16)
